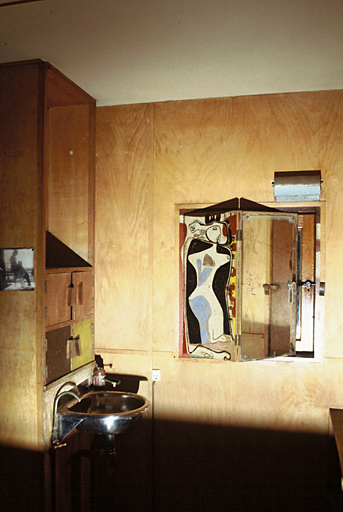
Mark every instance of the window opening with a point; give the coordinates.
(248, 281)
(306, 282)
(298, 327)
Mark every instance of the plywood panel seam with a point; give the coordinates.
(151, 206)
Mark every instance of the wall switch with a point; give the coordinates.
(156, 375)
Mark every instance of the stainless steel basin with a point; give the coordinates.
(101, 413)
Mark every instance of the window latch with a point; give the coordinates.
(307, 284)
(270, 286)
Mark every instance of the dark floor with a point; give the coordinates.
(198, 468)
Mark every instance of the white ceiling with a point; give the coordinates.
(135, 51)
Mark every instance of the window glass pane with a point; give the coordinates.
(268, 285)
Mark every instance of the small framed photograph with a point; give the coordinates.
(17, 269)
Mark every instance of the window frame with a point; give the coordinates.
(319, 209)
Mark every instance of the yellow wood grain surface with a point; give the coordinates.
(84, 332)
(205, 152)
(21, 218)
(123, 212)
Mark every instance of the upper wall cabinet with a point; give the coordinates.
(70, 164)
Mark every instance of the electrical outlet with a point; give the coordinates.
(156, 375)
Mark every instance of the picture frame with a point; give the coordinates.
(17, 269)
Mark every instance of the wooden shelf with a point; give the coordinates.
(53, 327)
(59, 270)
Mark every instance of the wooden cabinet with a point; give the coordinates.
(71, 189)
(59, 291)
(68, 348)
(47, 156)
(69, 305)
(83, 294)
(69, 297)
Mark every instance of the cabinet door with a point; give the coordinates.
(59, 298)
(71, 177)
(57, 353)
(83, 289)
(82, 334)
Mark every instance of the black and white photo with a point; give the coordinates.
(17, 269)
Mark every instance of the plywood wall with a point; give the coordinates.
(21, 160)
(151, 158)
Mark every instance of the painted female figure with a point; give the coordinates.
(207, 268)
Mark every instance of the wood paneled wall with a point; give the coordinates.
(21, 160)
(123, 212)
(151, 158)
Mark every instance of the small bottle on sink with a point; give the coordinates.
(99, 376)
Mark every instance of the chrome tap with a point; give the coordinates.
(114, 382)
(54, 435)
(99, 377)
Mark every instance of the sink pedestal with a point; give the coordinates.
(102, 474)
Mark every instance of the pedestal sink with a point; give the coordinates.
(101, 413)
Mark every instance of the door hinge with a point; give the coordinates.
(238, 340)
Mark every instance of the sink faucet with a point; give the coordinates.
(114, 382)
(54, 435)
(99, 377)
